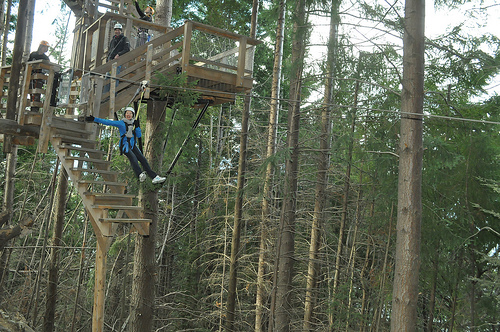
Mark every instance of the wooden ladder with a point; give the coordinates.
(103, 195)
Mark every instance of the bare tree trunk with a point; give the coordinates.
(29, 29)
(2, 18)
(238, 208)
(261, 296)
(381, 296)
(6, 25)
(144, 275)
(53, 269)
(432, 295)
(164, 12)
(80, 275)
(323, 166)
(16, 64)
(405, 288)
(286, 247)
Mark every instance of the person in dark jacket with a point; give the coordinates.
(142, 33)
(130, 135)
(119, 44)
(39, 54)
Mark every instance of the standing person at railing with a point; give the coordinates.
(143, 35)
(39, 54)
(119, 44)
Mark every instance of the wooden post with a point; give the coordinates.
(47, 113)
(147, 76)
(99, 288)
(100, 44)
(112, 89)
(24, 94)
(186, 46)
(242, 52)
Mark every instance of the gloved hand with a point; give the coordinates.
(89, 118)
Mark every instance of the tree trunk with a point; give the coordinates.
(2, 18)
(323, 166)
(144, 275)
(407, 257)
(8, 203)
(238, 208)
(285, 248)
(15, 69)
(261, 295)
(432, 295)
(30, 18)
(53, 269)
(5, 36)
(164, 12)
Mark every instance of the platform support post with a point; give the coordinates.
(100, 289)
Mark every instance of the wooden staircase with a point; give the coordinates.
(103, 195)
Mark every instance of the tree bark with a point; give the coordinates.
(144, 274)
(238, 207)
(405, 288)
(286, 247)
(2, 18)
(30, 18)
(6, 26)
(267, 192)
(323, 166)
(53, 269)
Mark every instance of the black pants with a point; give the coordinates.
(135, 156)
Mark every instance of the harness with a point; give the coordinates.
(130, 127)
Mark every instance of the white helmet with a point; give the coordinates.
(131, 109)
(118, 26)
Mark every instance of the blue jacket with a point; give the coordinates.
(122, 127)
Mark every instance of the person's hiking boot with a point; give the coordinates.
(159, 179)
(143, 176)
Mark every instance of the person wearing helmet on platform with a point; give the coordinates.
(130, 137)
(39, 54)
(119, 44)
(142, 33)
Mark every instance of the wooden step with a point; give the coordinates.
(88, 160)
(110, 198)
(81, 149)
(116, 207)
(103, 183)
(124, 220)
(75, 139)
(92, 170)
(61, 128)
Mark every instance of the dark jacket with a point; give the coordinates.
(37, 56)
(119, 45)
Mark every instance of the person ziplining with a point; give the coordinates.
(130, 137)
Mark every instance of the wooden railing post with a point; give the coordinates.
(112, 89)
(147, 76)
(186, 45)
(242, 52)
